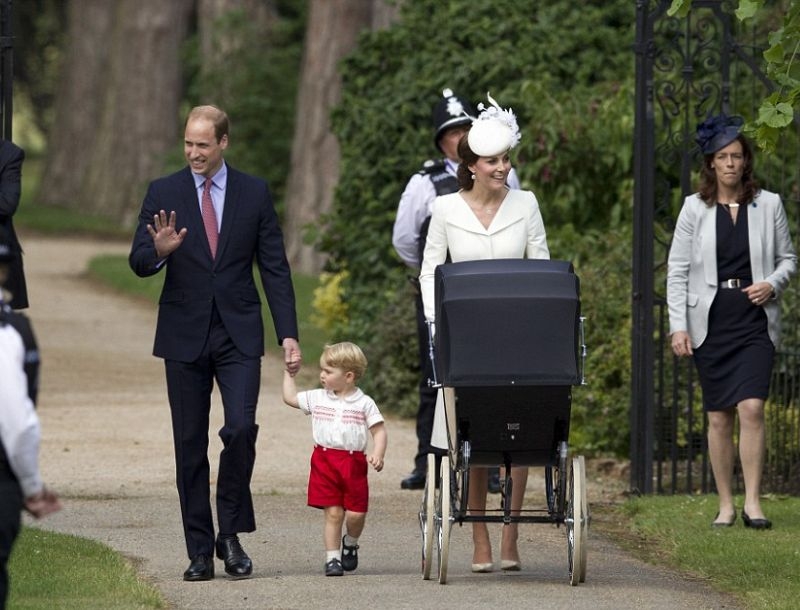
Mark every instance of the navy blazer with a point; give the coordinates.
(249, 233)
(11, 158)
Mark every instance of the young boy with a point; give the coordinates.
(341, 415)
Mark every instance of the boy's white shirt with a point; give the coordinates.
(340, 422)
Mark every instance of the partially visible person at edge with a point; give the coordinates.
(730, 260)
(11, 158)
(210, 327)
(484, 220)
(452, 115)
(342, 419)
(21, 485)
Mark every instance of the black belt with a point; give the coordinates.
(735, 283)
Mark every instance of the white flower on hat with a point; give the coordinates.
(494, 131)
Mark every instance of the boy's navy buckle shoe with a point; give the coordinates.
(349, 556)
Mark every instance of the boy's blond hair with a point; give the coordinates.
(346, 356)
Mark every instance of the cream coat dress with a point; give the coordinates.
(516, 231)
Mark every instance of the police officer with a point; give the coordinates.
(20, 482)
(452, 117)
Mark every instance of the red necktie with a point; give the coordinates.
(210, 218)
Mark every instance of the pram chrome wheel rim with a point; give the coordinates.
(426, 517)
(444, 523)
(577, 522)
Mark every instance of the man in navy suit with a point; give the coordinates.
(209, 327)
(11, 158)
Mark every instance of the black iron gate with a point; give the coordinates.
(685, 69)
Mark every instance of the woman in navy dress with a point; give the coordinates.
(731, 259)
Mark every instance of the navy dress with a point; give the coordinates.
(735, 361)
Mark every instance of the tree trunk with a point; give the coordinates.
(116, 113)
(331, 33)
(74, 131)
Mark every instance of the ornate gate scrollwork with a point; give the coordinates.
(686, 69)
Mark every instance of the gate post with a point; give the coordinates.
(642, 301)
(6, 69)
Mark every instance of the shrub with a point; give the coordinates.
(573, 97)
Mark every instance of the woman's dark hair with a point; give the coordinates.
(708, 178)
(466, 157)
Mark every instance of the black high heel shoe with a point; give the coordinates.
(730, 523)
(756, 524)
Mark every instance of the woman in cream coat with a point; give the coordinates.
(730, 261)
(484, 220)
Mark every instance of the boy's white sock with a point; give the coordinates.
(337, 554)
(349, 540)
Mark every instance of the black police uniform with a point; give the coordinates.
(11, 500)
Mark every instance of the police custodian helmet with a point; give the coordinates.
(450, 111)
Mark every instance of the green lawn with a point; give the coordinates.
(49, 570)
(762, 568)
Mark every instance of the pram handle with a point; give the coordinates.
(581, 321)
(432, 383)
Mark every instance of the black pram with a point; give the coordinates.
(507, 349)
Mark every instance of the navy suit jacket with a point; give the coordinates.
(11, 158)
(249, 233)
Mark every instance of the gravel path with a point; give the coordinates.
(107, 449)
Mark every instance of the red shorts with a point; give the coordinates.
(338, 478)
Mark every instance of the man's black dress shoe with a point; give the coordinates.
(416, 480)
(756, 524)
(229, 550)
(201, 568)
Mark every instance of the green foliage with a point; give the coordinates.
(39, 28)
(566, 70)
(576, 156)
(602, 260)
(679, 8)
(777, 110)
(312, 337)
(51, 570)
(394, 372)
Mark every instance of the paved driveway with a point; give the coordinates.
(107, 449)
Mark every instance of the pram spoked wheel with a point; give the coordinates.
(436, 518)
(445, 522)
(577, 522)
(427, 514)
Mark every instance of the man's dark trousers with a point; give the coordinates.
(189, 387)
